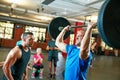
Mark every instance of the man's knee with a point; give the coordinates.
(55, 64)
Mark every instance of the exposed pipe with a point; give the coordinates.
(23, 21)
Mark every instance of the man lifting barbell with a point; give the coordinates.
(78, 55)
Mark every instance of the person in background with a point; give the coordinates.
(15, 65)
(93, 50)
(38, 63)
(78, 55)
(52, 57)
(93, 47)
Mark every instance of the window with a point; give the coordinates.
(39, 33)
(6, 30)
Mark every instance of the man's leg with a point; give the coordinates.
(50, 69)
(60, 67)
(41, 71)
(55, 66)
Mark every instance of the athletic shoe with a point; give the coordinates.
(54, 75)
(50, 76)
(33, 75)
(41, 76)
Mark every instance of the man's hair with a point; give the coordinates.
(27, 33)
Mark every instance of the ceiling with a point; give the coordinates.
(41, 12)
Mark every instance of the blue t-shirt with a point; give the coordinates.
(18, 42)
(76, 69)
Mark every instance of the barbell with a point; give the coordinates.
(108, 24)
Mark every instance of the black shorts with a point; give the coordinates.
(51, 58)
(38, 67)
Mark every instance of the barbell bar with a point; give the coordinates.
(61, 27)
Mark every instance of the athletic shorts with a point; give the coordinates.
(52, 58)
(38, 67)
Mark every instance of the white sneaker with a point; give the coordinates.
(41, 76)
(33, 75)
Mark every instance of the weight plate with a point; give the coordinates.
(109, 23)
(56, 25)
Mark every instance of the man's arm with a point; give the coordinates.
(56, 48)
(59, 40)
(10, 60)
(49, 48)
(85, 43)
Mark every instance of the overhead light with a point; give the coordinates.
(45, 18)
(16, 1)
(13, 5)
(94, 18)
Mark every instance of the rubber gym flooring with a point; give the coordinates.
(103, 68)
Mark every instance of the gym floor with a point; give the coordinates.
(103, 68)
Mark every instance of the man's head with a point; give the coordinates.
(79, 37)
(28, 39)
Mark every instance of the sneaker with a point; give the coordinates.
(54, 75)
(41, 76)
(50, 76)
(33, 75)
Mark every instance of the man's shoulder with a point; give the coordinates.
(16, 49)
(15, 52)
